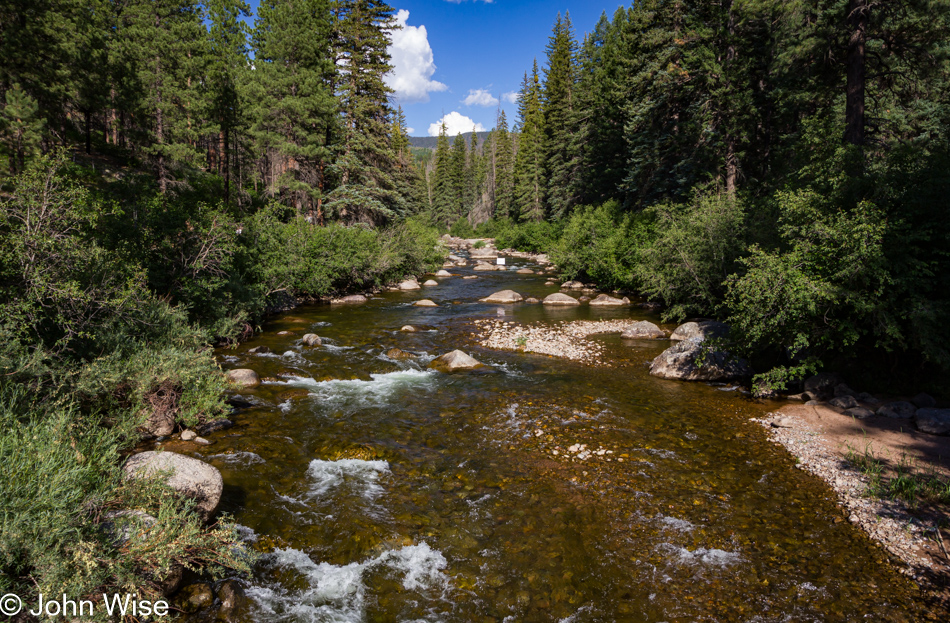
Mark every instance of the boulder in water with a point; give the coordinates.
(259, 350)
(524, 271)
(190, 477)
(605, 300)
(503, 296)
(398, 354)
(560, 299)
(700, 330)
(443, 273)
(455, 361)
(409, 284)
(409, 328)
(531, 300)
(312, 339)
(470, 277)
(349, 300)
(243, 377)
(644, 330)
(572, 285)
(689, 360)
(425, 303)
(430, 283)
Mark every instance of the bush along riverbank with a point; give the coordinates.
(111, 297)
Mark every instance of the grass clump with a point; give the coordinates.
(902, 480)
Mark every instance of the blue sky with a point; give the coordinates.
(479, 52)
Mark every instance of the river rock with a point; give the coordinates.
(201, 441)
(214, 426)
(702, 329)
(409, 284)
(524, 271)
(899, 410)
(485, 253)
(859, 412)
(431, 282)
(844, 402)
(823, 384)
(605, 300)
(531, 300)
(678, 362)
(243, 377)
(259, 350)
(448, 265)
(409, 328)
(443, 273)
(934, 421)
(643, 329)
(560, 299)
(398, 354)
(233, 602)
(311, 339)
(503, 296)
(188, 476)
(572, 285)
(425, 303)
(456, 258)
(868, 398)
(455, 361)
(924, 401)
(194, 597)
(161, 422)
(349, 300)
(483, 267)
(188, 435)
(842, 389)
(470, 277)
(584, 299)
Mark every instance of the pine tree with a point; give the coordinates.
(368, 190)
(560, 75)
(294, 110)
(21, 127)
(503, 168)
(457, 175)
(227, 38)
(442, 187)
(529, 159)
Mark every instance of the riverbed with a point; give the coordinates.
(537, 489)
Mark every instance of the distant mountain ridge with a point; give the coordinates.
(429, 142)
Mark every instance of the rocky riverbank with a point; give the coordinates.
(565, 339)
(829, 445)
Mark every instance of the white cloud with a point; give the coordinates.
(455, 123)
(511, 97)
(413, 64)
(480, 97)
(410, 131)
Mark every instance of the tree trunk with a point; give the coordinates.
(858, 13)
(87, 121)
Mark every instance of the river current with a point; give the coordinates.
(539, 490)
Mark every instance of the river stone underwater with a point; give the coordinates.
(377, 490)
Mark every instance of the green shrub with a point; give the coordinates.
(462, 229)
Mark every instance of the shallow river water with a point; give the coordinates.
(379, 490)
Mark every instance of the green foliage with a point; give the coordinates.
(901, 481)
(462, 229)
(531, 236)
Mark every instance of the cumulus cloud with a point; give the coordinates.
(480, 97)
(413, 64)
(511, 97)
(410, 131)
(455, 123)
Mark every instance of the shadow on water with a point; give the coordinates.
(378, 490)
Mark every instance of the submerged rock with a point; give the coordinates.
(643, 329)
(455, 361)
(350, 299)
(524, 271)
(560, 299)
(312, 339)
(214, 426)
(194, 597)
(503, 296)
(470, 277)
(398, 354)
(425, 303)
(409, 328)
(188, 435)
(899, 410)
(934, 421)
(259, 350)
(680, 362)
(701, 330)
(190, 477)
(605, 300)
(531, 300)
(572, 285)
(243, 377)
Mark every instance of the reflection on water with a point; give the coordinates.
(378, 490)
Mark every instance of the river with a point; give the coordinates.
(540, 490)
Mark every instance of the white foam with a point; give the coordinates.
(676, 524)
(373, 392)
(337, 593)
(703, 556)
(327, 475)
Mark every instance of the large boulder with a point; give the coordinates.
(924, 401)
(443, 273)
(572, 285)
(409, 284)
(243, 377)
(605, 300)
(503, 296)
(934, 421)
(311, 339)
(680, 362)
(822, 385)
(899, 410)
(642, 330)
(481, 267)
(485, 253)
(455, 361)
(701, 330)
(843, 402)
(560, 299)
(349, 300)
(430, 283)
(188, 476)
